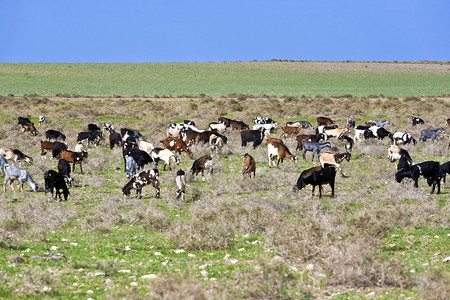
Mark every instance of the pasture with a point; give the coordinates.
(274, 78)
(231, 237)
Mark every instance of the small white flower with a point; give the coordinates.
(191, 255)
(157, 253)
(179, 251)
(134, 283)
(74, 244)
(54, 248)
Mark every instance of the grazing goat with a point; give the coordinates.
(417, 120)
(74, 158)
(55, 181)
(145, 146)
(238, 125)
(378, 132)
(289, 130)
(108, 127)
(444, 169)
(403, 138)
(55, 135)
(181, 184)
(93, 137)
(268, 127)
(430, 134)
(301, 179)
(300, 123)
(348, 142)
(93, 127)
(216, 142)
(255, 136)
(199, 166)
(249, 166)
(307, 137)
(336, 132)
(397, 153)
(23, 121)
(334, 159)
(13, 173)
(16, 155)
(3, 163)
(359, 131)
(263, 120)
(217, 127)
(141, 180)
(324, 121)
(320, 177)
(141, 157)
(177, 146)
(130, 143)
(274, 140)
(115, 139)
(127, 132)
(225, 121)
(315, 147)
(165, 155)
(42, 120)
(55, 147)
(427, 169)
(279, 152)
(379, 123)
(64, 170)
(29, 128)
(130, 166)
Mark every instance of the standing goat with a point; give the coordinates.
(315, 147)
(249, 166)
(13, 173)
(181, 184)
(201, 164)
(334, 159)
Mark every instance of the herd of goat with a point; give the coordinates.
(180, 136)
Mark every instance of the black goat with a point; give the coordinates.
(444, 169)
(320, 177)
(427, 169)
(64, 169)
(54, 180)
(141, 157)
(255, 136)
(417, 120)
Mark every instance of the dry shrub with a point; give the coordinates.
(434, 284)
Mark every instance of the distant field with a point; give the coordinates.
(221, 79)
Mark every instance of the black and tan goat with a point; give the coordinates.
(334, 159)
(199, 166)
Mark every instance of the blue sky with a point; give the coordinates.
(201, 31)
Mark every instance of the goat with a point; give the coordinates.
(145, 146)
(79, 147)
(16, 155)
(444, 169)
(115, 139)
(315, 147)
(300, 123)
(417, 120)
(350, 123)
(249, 166)
(430, 134)
(378, 132)
(74, 158)
(64, 170)
(54, 180)
(238, 125)
(307, 137)
(216, 142)
(427, 169)
(130, 166)
(23, 121)
(42, 120)
(348, 142)
(263, 120)
(55, 135)
(319, 177)
(201, 164)
(29, 128)
(289, 130)
(93, 127)
(141, 157)
(403, 138)
(280, 152)
(108, 127)
(165, 155)
(219, 127)
(324, 121)
(93, 137)
(126, 132)
(181, 184)
(13, 173)
(177, 145)
(397, 153)
(301, 182)
(141, 180)
(268, 127)
(334, 159)
(360, 130)
(336, 132)
(255, 136)
(225, 121)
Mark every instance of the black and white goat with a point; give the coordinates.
(403, 138)
(416, 120)
(165, 155)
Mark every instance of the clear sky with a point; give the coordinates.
(200, 31)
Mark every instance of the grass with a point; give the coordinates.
(231, 238)
(242, 79)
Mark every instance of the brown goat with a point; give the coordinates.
(74, 158)
(274, 140)
(201, 164)
(249, 166)
(280, 152)
(289, 130)
(308, 137)
(177, 146)
(324, 121)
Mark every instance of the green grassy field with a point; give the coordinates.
(277, 79)
(232, 237)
